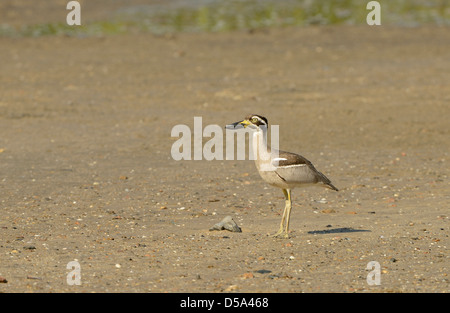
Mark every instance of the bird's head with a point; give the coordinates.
(253, 121)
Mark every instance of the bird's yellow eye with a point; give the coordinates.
(254, 119)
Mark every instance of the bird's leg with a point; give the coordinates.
(280, 230)
(286, 213)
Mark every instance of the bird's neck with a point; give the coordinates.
(261, 151)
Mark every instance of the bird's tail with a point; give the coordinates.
(327, 182)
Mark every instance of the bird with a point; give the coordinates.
(285, 170)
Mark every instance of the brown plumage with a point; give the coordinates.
(295, 159)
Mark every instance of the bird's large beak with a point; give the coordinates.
(237, 125)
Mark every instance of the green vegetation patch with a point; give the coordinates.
(219, 16)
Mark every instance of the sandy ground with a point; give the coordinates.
(86, 172)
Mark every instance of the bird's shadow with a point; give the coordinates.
(337, 231)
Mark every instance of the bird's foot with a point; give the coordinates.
(280, 234)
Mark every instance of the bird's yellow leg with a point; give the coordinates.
(288, 213)
(282, 232)
(281, 229)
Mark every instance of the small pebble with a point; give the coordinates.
(231, 288)
(228, 224)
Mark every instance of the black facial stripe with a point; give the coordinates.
(261, 119)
